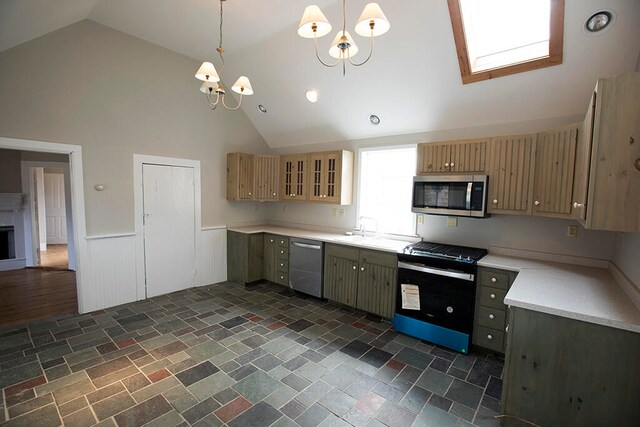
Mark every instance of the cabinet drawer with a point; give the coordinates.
(282, 265)
(283, 241)
(494, 279)
(283, 252)
(491, 317)
(282, 278)
(492, 339)
(492, 297)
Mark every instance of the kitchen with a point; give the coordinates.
(508, 189)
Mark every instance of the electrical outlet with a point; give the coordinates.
(284, 208)
(452, 221)
(335, 211)
(341, 212)
(420, 219)
(572, 231)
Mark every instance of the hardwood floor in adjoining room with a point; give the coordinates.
(56, 256)
(30, 294)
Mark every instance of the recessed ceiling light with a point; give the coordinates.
(375, 120)
(262, 108)
(312, 95)
(599, 21)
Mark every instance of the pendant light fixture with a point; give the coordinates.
(372, 23)
(211, 80)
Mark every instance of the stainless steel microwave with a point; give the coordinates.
(451, 195)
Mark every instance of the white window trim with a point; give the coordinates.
(359, 193)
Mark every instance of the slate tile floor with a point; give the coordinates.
(229, 355)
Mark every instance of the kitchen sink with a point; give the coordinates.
(372, 241)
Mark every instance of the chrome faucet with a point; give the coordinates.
(363, 228)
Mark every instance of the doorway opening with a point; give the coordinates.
(37, 238)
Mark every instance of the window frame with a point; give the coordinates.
(361, 151)
(555, 57)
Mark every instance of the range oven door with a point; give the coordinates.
(446, 297)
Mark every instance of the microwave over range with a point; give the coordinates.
(451, 195)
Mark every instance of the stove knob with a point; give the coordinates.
(468, 258)
(449, 309)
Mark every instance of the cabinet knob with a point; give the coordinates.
(282, 265)
(281, 277)
(355, 268)
(446, 165)
(274, 194)
(271, 240)
(490, 336)
(495, 201)
(577, 205)
(491, 316)
(494, 280)
(282, 242)
(283, 252)
(537, 203)
(361, 268)
(452, 164)
(493, 296)
(249, 193)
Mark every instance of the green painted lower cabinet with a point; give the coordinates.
(565, 372)
(361, 278)
(244, 257)
(269, 266)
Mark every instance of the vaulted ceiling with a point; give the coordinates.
(412, 82)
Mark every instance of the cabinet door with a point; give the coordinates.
(269, 263)
(583, 164)
(266, 177)
(317, 178)
(333, 175)
(554, 170)
(294, 177)
(433, 158)
(245, 177)
(341, 274)
(255, 255)
(510, 173)
(377, 283)
(237, 262)
(468, 156)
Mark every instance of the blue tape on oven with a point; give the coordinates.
(454, 340)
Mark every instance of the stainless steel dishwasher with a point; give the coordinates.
(305, 266)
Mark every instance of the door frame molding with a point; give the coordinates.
(138, 161)
(77, 200)
(26, 166)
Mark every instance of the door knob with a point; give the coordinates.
(577, 205)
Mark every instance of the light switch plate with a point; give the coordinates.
(452, 221)
(572, 231)
(420, 219)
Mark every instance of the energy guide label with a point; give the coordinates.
(410, 297)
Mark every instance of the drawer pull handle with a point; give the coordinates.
(491, 316)
(494, 280)
(506, 329)
(490, 336)
(493, 296)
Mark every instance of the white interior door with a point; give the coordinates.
(169, 228)
(56, 218)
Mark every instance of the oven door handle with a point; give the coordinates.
(437, 271)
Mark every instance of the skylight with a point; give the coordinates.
(499, 37)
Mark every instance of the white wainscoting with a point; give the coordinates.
(111, 267)
(110, 273)
(212, 256)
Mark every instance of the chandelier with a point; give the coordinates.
(372, 23)
(211, 80)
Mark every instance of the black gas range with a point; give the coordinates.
(436, 293)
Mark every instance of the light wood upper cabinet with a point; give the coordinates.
(331, 177)
(293, 177)
(609, 158)
(266, 171)
(510, 174)
(240, 176)
(554, 172)
(467, 156)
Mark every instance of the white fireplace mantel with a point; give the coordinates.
(12, 202)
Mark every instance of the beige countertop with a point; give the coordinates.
(578, 292)
(375, 243)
